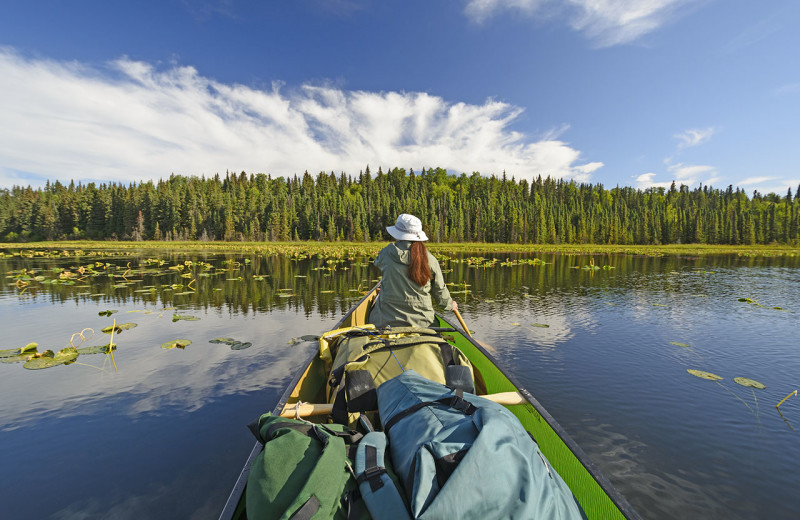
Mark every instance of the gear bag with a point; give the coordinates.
(462, 456)
(303, 472)
(363, 359)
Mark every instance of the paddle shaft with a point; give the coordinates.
(464, 326)
(461, 321)
(308, 409)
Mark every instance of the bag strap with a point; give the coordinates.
(306, 428)
(308, 510)
(454, 401)
(378, 490)
(355, 393)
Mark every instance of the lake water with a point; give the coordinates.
(606, 351)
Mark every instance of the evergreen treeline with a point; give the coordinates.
(465, 208)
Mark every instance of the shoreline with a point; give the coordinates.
(372, 248)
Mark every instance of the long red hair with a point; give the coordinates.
(418, 269)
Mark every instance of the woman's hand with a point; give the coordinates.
(455, 306)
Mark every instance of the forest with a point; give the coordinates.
(453, 208)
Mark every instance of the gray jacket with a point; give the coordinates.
(401, 302)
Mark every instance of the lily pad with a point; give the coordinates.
(678, 344)
(29, 348)
(704, 375)
(118, 329)
(540, 325)
(99, 349)
(233, 343)
(227, 341)
(176, 343)
(48, 359)
(19, 355)
(106, 313)
(177, 317)
(749, 382)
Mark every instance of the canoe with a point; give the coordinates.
(593, 491)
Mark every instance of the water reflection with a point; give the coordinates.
(610, 365)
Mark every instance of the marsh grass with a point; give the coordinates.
(349, 249)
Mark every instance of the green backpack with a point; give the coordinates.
(303, 472)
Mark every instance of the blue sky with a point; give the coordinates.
(619, 92)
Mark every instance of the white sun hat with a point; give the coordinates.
(407, 227)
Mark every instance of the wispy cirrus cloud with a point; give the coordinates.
(605, 22)
(132, 121)
(694, 137)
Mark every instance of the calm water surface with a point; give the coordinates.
(164, 436)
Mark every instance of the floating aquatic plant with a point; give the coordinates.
(30, 347)
(300, 339)
(176, 343)
(705, 375)
(98, 349)
(540, 325)
(233, 343)
(753, 384)
(118, 328)
(678, 344)
(184, 317)
(717, 379)
(47, 359)
(223, 340)
(19, 355)
(749, 382)
(106, 313)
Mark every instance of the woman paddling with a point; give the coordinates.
(411, 276)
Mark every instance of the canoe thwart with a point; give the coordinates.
(309, 409)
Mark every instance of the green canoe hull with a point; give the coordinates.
(593, 491)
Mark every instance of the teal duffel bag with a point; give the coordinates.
(462, 456)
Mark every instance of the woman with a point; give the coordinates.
(411, 276)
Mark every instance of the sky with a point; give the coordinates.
(634, 93)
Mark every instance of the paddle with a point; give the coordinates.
(466, 329)
(461, 321)
(308, 409)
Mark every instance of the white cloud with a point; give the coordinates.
(647, 180)
(694, 137)
(689, 175)
(751, 181)
(133, 122)
(606, 22)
